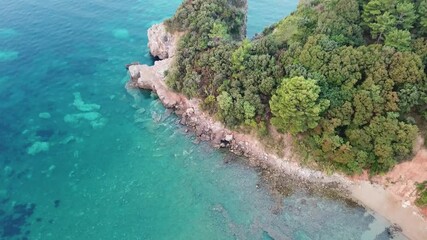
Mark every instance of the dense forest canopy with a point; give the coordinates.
(347, 76)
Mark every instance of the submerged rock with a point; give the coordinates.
(38, 147)
(121, 33)
(95, 119)
(88, 113)
(7, 32)
(70, 139)
(394, 230)
(99, 123)
(6, 56)
(82, 106)
(75, 118)
(44, 115)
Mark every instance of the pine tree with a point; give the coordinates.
(296, 106)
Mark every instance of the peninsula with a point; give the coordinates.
(335, 93)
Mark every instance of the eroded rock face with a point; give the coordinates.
(162, 44)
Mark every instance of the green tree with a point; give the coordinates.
(377, 15)
(406, 16)
(296, 105)
(383, 24)
(420, 48)
(375, 8)
(219, 31)
(225, 102)
(422, 13)
(241, 55)
(392, 140)
(340, 20)
(249, 111)
(383, 16)
(399, 39)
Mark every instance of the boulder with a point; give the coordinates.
(134, 71)
(189, 111)
(394, 230)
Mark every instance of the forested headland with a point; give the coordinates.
(347, 78)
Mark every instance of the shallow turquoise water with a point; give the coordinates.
(81, 158)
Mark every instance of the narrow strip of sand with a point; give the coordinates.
(377, 199)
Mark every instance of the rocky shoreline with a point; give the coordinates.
(163, 45)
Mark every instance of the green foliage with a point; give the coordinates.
(405, 13)
(211, 28)
(249, 111)
(386, 16)
(240, 56)
(219, 31)
(209, 103)
(421, 194)
(225, 103)
(392, 140)
(399, 39)
(340, 20)
(296, 106)
(384, 24)
(378, 17)
(368, 59)
(422, 13)
(368, 88)
(201, 16)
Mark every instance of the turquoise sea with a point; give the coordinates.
(82, 158)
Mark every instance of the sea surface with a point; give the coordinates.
(83, 158)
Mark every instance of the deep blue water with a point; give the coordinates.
(82, 158)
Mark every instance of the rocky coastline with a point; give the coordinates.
(375, 197)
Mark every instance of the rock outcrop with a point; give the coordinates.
(243, 6)
(162, 44)
(153, 78)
